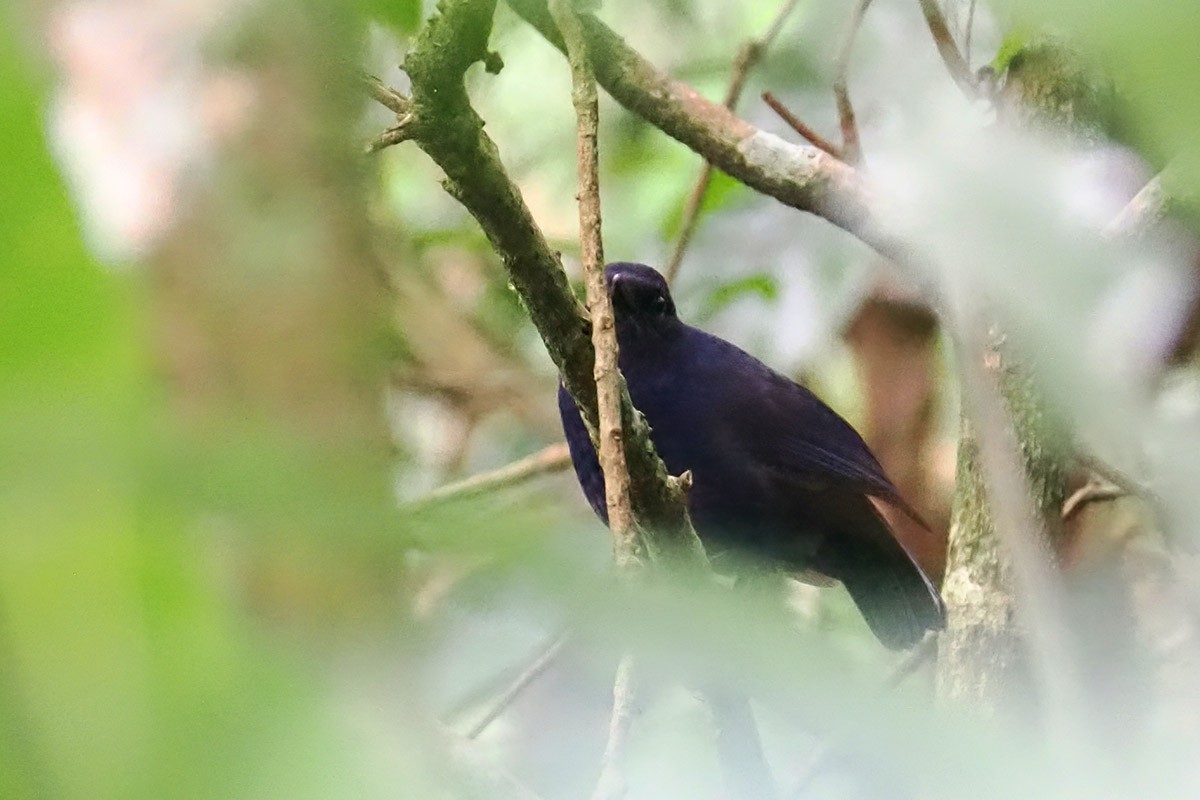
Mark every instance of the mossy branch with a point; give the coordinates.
(449, 130)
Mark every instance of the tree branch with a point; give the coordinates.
(520, 684)
(851, 147)
(803, 177)
(956, 65)
(799, 126)
(387, 97)
(611, 783)
(748, 56)
(447, 128)
(554, 458)
(609, 382)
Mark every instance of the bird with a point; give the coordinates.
(779, 479)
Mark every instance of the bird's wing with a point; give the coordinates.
(788, 430)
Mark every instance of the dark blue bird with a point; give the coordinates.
(779, 477)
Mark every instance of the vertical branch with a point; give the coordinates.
(609, 383)
(750, 53)
(611, 783)
(1023, 484)
(851, 147)
(956, 65)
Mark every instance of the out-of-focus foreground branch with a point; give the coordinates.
(1108, 560)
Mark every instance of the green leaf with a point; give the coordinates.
(760, 284)
(401, 16)
(723, 192)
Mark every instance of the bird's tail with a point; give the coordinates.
(893, 594)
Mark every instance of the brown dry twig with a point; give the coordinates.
(609, 382)
(748, 55)
(956, 65)
(394, 135)
(399, 105)
(611, 784)
(1147, 208)
(387, 97)
(799, 126)
(627, 549)
(851, 147)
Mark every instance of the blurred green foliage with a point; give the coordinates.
(234, 607)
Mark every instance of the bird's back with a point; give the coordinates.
(778, 476)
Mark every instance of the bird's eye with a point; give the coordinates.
(660, 304)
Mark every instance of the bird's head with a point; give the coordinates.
(641, 301)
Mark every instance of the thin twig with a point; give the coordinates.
(749, 54)
(611, 783)
(387, 97)
(553, 458)
(609, 382)
(956, 65)
(1090, 492)
(851, 147)
(401, 132)
(800, 176)
(399, 105)
(922, 653)
(796, 124)
(520, 684)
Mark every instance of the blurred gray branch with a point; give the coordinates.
(550, 459)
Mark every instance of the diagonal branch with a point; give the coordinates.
(748, 56)
(553, 458)
(956, 65)
(447, 128)
(611, 784)
(522, 682)
(800, 127)
(803, 177)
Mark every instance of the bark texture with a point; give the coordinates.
(981, 655)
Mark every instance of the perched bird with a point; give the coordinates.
(778, 477)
